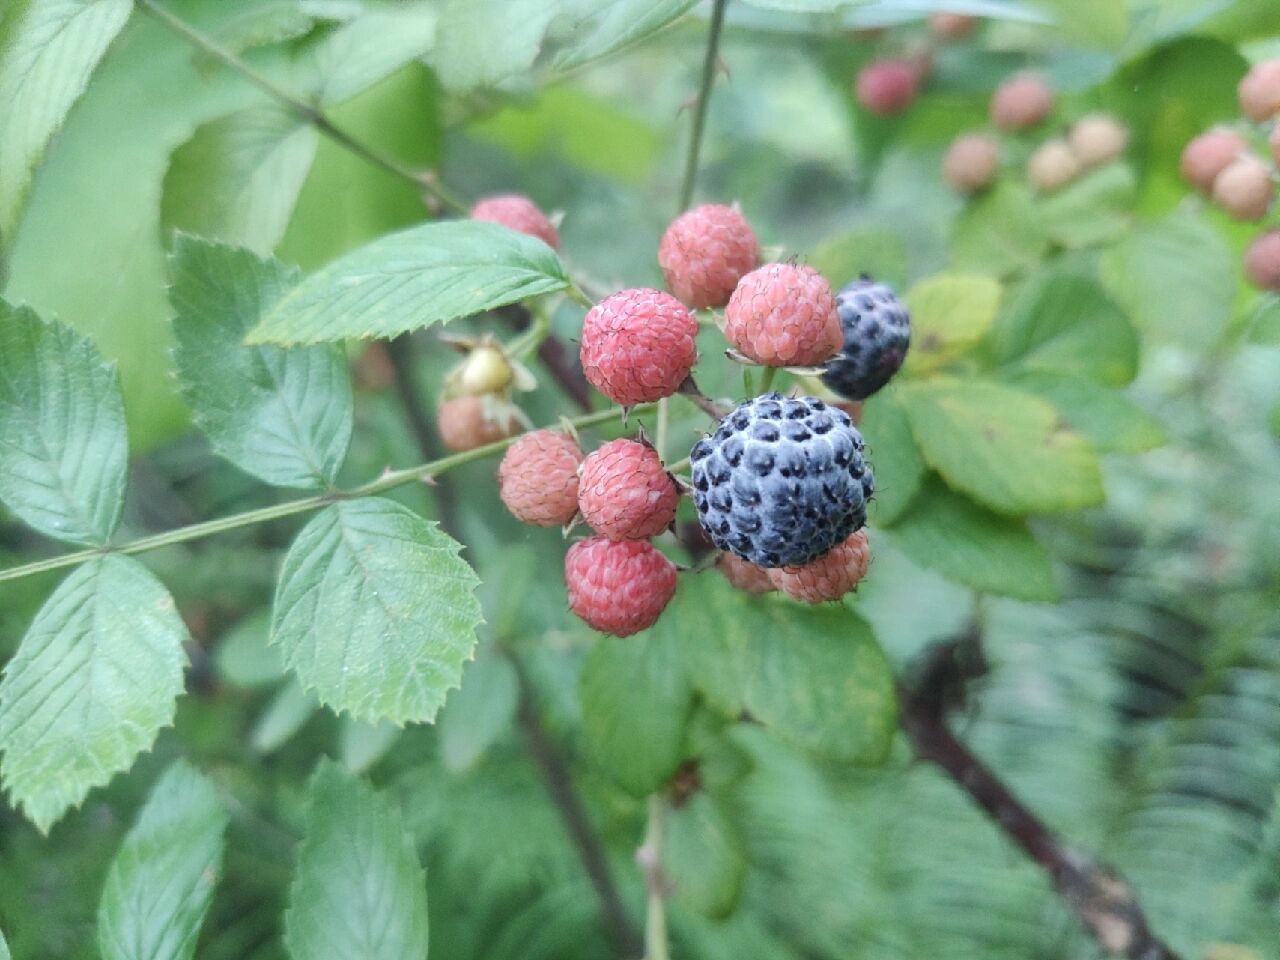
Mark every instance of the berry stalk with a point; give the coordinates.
(700, 105)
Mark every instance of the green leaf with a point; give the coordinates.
(636, 700)
(1176, 278)
(950, 313)
(481, 43)
(1004, 448)
(703, 857)
(45, 63)
(361, 745)
(94, 680)
(431, 273)
(358, 892)
(479, 713)
(287, 712)
(616, 24)
(878, 253)
(1001, 232)
(895, 458)
(238, 177)
(243, 656)
(813, 675)
(282, 415)
(63, 450)
(1265, 326)
(1064, 323)
(161, 882)
(375, 611)
(969, 544)
(1109, 420)
(1093, 210)
(371, 47)
(4, 948)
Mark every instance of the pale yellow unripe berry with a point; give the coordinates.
(485, 370)
(1097, 138)
(971, 162)
(1052, 166)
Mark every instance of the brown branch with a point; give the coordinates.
(1095, 893)
(559, 781)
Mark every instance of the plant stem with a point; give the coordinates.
(1098, 896)
(700, 106)
(655, 923)
(660, 431)
(766, 379)
(306, 111)
(559, 780)
(388, 481)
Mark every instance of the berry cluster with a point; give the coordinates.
(781, 486)
(1223, 164)
(1022, 103)
(889, 85)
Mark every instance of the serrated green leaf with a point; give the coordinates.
(1064, 323)
(161, 882)
(950, 313)
(45, 64)
(895, 459)
(1000, 232)
(969, 544)
(371, 46)
(63, 450)
(431, 273)
(479, 713)
(1093, 210)
(94, 680)
(636, 700)
(482, 43)
(282, 415)
(814, 676)
(284, 715)
(238, 177)
(879, 254)
(361, 745)
(375, 611)
(1004, 448)
(703, 857)
(617, 24)
(1109, 420)
(358, 892)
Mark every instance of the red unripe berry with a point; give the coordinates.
(971, 162)
(538, 478)
(1244, 189)
(1021, 102)
(517, 212)
(638, 345)
(744, 574)
(1208, 155)
(1259, 91)
(829, 577)
(625, 493)
(1262, 261)
(784, 315)
(952, 26)
(618, 586)
(887, 87)
(468, 422)
(705, 252)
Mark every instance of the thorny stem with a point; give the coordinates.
(388, 481)
(650, 859)
(307, 111)
(700, 106)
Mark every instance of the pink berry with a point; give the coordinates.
(1021, 102)
(829, 577)
(618, 586)
(1259, 91)
(517, 212)
(470, 421)
(705, 252)
(952, 26)
(625, 493)
(887, 87)
(1262, 261)
(744, 574)
(1208, 155)
(784, 315)
(538, 478)
(638, 345)
(971, 162)
(1244, 189)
